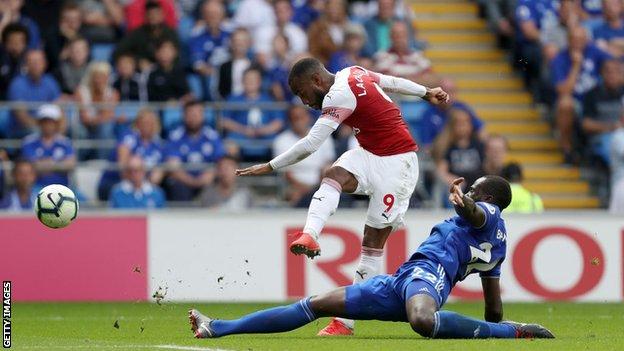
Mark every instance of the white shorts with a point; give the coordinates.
(389, 181)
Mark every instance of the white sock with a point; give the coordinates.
(370, 266)
(324, 203)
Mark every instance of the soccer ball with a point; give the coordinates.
(56, 206)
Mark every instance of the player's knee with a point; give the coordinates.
(342, 177)
(422, 323)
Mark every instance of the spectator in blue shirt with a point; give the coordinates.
(190, 147)
(135, 191)
(12, 14)
(34, 86)
(278, 73)
(603, 109)
(575, 71)
(306, 11)
(253, 128)
(209, 43)
(434, 118)
(23, 193)
(531, 17)
(50, 151)
(609, 35)
(143, 141)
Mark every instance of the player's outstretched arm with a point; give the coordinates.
(303, 148)
(404, 86)
(492, 298)
(465, 206)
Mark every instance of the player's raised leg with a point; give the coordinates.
(371, 260)
(323, 204)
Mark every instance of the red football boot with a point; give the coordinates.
(335, 328)
(305, 245)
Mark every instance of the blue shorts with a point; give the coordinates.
(384, 297)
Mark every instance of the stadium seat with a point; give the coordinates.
(102, 52)
(5, 119)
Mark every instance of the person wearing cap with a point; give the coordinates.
(522, 200)
(50, 151)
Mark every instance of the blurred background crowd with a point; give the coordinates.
(155, 103)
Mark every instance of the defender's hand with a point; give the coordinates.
(260, 169)
(456, 194)
(437, 96)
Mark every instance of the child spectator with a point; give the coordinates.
(252, 128)
(70, 71)
(263, 45)
(128, 82)
(278, 73)
(135, 191)
(51, 152)
(230, 78)
(167, 80)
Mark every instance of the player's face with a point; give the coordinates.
(310, 92)
(476, 193)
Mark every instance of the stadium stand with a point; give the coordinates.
(164, 53)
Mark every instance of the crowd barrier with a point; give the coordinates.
(214, 256)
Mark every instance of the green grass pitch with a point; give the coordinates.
(147, 326)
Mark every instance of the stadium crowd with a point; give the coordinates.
(189, 89)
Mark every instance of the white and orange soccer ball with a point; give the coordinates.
(56, 206)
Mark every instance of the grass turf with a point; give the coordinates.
(145, 326)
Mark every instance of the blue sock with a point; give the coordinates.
(272, 320)
(451, 325)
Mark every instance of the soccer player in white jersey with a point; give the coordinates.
(384, 166)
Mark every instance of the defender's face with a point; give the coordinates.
(475, 192)
(309, 92)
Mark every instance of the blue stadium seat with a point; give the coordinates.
(196, 85)
(102, 52)
(130, 110)
(5, 119)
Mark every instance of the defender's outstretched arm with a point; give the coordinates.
(465, 207)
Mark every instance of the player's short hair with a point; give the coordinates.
(304, 67)
(499, 189)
